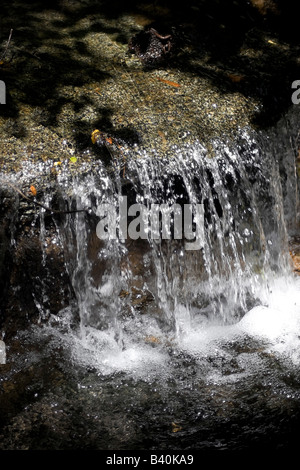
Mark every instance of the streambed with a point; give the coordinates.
(217, 388)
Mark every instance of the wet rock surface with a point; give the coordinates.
(68, 71)
(295, 253)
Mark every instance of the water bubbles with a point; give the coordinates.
(107, 288)
(146, 260)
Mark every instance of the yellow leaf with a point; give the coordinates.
(73, 159)
(94, 135)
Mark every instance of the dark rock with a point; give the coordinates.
(32, 268)
(151, 47)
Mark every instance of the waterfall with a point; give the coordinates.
(248, 210)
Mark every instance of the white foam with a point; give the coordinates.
(278, 323)
(103, 351)
(142, 350)
(275, 325)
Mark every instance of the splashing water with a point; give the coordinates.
(140, 299)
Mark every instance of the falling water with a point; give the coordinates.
(128, 291)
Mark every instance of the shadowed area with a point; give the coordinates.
(58, 53)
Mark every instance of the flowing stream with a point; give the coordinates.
(175, 348)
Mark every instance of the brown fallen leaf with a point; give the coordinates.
(235, 78)
(176, 427)
(296, 261)
(33, 190)
(124, 293)
(168, 82)
(152, 339)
